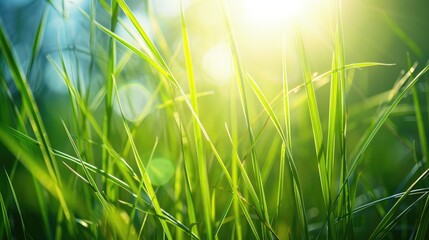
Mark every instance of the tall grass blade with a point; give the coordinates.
(315, 119)
(202, 168)
(287, 152)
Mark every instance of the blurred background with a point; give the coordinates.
(382, 31)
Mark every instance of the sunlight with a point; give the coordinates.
(277, 11)
(218, 64)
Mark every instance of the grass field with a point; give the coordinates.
(207, 119)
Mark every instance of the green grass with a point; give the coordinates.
(252, 159)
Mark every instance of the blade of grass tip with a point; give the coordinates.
(202, 165)
(17, 205)
(240, 76)
(37, 41)
(35, 119)
(379, 230)
(315, 118)
(423, 222)
(144, 176)
(6, 222)
(287, 151)
(420, 122)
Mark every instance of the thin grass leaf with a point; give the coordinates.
(223, 216)
(287, 150)
(15, 199)
(420, 122)
(37, 41)
(202, 168)
(6, 223)
(315, 120)
(261, 97)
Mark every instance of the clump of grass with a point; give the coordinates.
(228, 182)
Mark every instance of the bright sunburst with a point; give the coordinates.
(277, 11)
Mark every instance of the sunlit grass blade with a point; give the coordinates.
(108, 101)
(142, 32)
(202, 168)
(338, 126)
(37, 41)
(261, 97)
(286, 153)
(315, 119)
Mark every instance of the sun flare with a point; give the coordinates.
(278, 11)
